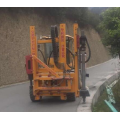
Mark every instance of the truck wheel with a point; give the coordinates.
(71, 97)
(32, 97)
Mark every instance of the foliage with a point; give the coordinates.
(101, 106)
(82, 15)
(93, 19)
(110, 26)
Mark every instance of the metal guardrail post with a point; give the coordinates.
(110, 106)
(111, 97)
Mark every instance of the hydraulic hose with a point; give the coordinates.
(73, 58)
(43, 56)
(84, 40)
(89, 51)
(55, 53)
(67, 63)
(50, 57)
(56, 31)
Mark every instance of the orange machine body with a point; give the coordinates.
(44, 75)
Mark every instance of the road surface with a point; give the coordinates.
(15, 98)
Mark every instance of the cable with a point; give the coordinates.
(50, 57)
(43, 56)
(73, 58)
(59, 83)
(53, 35)
(89, 51)
(56, 31)
(83, 41)
(67, 63)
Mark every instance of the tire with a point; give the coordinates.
(71, 97)
(32, 97)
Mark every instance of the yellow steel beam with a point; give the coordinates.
(75, 28)
(46, 41)
(33, 52)
(33, 41)
(53, 88)
(62, 44)
(45, 66)
(52, 78)
(50, 40)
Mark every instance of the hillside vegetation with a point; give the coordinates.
(110, 27)
(82, 15)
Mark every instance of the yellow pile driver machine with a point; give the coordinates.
(62, 73)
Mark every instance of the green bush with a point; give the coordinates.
(110, 26)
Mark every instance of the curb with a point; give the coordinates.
(99, 64)
(4, 86)
(95, 92)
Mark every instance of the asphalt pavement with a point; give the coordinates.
(15, 98)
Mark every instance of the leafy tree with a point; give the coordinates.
(110, 26)
(93, 19)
